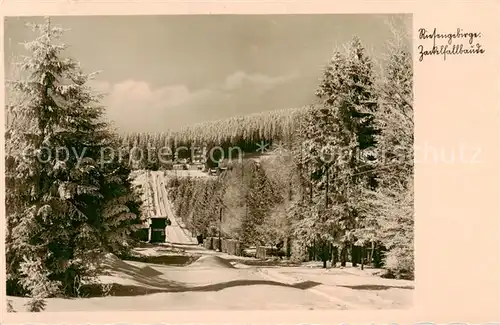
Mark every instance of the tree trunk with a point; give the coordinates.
(370, 254)
(220, 230)
(377, 258)
(326, 188)
(313, 250)
(343, 255)
(354, 255)
(324, 252)
(335, 256)
(310, 188)
(324, 255)
(363, 257)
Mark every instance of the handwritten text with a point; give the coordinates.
(465, 43)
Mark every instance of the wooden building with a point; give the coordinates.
(158, 229)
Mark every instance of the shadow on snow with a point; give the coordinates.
(374, 287)
(134, 290)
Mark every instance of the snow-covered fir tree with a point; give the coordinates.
(120, 206)
(260, 198)
(322, 140)
(62, 202)
(388, 210)
(334, 134)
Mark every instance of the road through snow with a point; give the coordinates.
(176, 232)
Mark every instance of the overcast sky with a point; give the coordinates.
(163, 72)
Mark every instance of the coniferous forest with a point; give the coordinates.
(339, 186)
(335, 183)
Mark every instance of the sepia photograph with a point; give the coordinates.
(209, 162)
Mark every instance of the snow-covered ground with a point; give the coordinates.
(189, 277)
(181, 275)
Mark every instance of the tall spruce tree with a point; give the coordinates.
(57, 186)
(350, 89)
(388, 211)
(322, 141)
(260, 197)
(119, 207)
(335, 133)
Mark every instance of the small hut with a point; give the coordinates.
(157, 229)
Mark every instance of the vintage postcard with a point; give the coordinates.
(250, 162)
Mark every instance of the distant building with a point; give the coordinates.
(178, 167)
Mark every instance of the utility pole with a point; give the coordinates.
(326, 187)
(220, 228)
(193, 228)
(323, 245)
(220, 210)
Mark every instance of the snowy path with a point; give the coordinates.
(176, 233)
(187, 277)
(182, 276)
